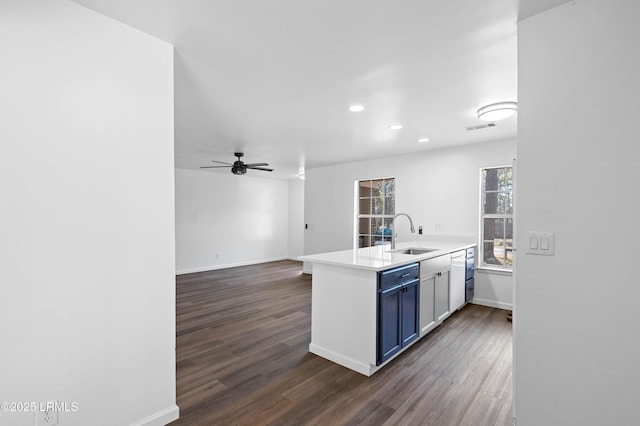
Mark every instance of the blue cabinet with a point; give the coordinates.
(409, 313)
(398, 298)
(469, 272)
(389, 325)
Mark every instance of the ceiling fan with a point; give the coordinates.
(239, 167)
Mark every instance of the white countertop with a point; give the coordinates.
(379, 258)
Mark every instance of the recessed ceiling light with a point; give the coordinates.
(395, 126)
(356, 108)
(498, 111)
(422, 140)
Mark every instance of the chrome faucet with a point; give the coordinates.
(393, 229)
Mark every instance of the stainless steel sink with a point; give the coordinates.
(414, 250)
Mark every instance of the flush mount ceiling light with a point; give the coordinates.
(356, 108)
(423, 140)
(395, 127)
(497, 111)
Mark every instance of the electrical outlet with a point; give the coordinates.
(47, 414)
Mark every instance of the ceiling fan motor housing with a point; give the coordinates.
(239, 168)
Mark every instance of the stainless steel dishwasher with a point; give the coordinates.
(457, 280)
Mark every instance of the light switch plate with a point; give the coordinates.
(540, 242)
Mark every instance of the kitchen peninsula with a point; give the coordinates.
(370, 304)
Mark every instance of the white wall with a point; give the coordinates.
(577, 313)
(295, 245)
(493, 289)
(87, 312)
(438, 187)
(241, 219)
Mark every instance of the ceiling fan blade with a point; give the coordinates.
(260, 168)
(221, 162)
(256, 164)
(215, 167)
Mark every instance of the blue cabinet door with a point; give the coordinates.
(470, 288)
(398, 310)
(469, 281)
(389, 337)
(410, 322)
(398, 321)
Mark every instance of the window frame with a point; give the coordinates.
(358, 216)
(505, 216)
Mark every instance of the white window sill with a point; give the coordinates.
(496, 271)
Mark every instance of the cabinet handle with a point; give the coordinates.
(405, 275)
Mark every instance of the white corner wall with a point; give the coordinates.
(295, 245)
(439, 189)
(224, 220)
(494, 289)
(87, 313)
(576, 346)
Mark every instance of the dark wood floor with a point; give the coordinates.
(242, 358)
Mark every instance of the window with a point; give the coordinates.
(376, 208)
(496, 225)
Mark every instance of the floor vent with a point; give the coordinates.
(481, 126)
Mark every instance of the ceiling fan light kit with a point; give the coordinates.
(239, 167)
(497, 111)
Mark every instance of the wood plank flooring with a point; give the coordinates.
(242, 359)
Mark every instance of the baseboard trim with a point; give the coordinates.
(357, 366)
(492, 304)
(342, 360)
(160, 418)
(229, 265)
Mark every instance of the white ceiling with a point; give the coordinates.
(275, 78)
